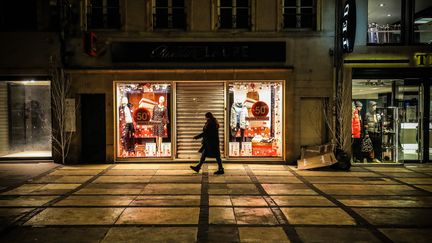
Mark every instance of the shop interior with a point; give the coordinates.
(25, 124)
(388, 112)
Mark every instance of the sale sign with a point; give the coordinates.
(142, 116)
(260, 109)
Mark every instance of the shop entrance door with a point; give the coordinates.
(93, 128)
(193, 100)
(409, 100)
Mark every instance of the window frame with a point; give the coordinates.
(234, 8)
(170, 22)
(299, 6)
(105, 26)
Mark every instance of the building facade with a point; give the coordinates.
(389, 76)
(143, 74)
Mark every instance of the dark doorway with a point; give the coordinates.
(93, 128)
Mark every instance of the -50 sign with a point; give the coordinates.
(142, 116)
(260, 109)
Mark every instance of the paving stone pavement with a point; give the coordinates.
(250, 203)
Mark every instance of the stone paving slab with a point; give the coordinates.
(56, 234)
(409, 235)
(151, 234)
(250, 203)
(397, 216)
(151, 216)
(179, 200)
(102, 200)
(318, 216)
(335, 234)
(25, 201)
(259, 234)
(76, 216)
(411, 202)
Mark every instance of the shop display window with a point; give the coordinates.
(387, 113)
(143, 120)
(25, 124)
(255, 119)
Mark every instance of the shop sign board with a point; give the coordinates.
(423, 59)
(218, 52)
(348, 26)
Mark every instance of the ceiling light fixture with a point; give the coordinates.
(389, 15)
(381, 4)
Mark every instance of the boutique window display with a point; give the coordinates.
(143, 120)
(255, 119)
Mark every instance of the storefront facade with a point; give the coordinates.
(389, 77)
(270, 62)
(156, 119)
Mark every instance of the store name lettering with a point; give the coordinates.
(199, 52)
(423, 59)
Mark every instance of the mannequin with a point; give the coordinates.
(160, 119)
(373, 130)
(126, 126)
(356, 128)
(239, 113)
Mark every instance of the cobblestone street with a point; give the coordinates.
(250, 203)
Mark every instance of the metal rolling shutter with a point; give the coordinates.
(4, 120)
(194, 99)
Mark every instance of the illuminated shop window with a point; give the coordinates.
(143, 120)
(384, 22)
(255, 119)
(25, 127)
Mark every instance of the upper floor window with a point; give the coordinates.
(169, 14)
(103, 14)
(234, 14)
(384, 21)
(399, 22)
(423, 21)
(299, 14)
(18, 15)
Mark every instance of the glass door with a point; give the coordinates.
(409, 100)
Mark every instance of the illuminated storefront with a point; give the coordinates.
(25, 124)
(157, 120)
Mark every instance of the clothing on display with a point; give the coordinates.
(255, 119)
(143, 131)
(356, 126)
(160, 117)
(373, 130)
(238, 122)
(127, 127)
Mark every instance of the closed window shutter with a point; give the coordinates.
(4, 120)
(194, 99)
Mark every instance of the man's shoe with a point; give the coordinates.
(219, 172)
(195, 168)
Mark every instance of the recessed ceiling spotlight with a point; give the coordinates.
(381, 4)
(389, 15)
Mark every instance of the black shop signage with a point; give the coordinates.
(221, 52)
(348, 26)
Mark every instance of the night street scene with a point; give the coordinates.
(216, 121)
